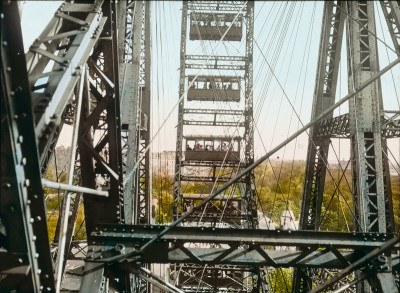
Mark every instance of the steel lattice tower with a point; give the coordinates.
(363, 125)
(211, 86)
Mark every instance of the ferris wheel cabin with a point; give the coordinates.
(212, 148)
(213, 88)
(212, 26)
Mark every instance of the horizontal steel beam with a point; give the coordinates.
(213, 66)
(339, 127)
(245, 247)
(207, 179)
(214, 123)
(216, 58)
(213, 111)
(210, 164)
(139, 233)
(73, 188)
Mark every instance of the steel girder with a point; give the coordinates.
(324, 97)
(100, 148)
(143, 206)
(179, 134)
(135, 102)
(130, 101)
(372, 191)
(117, 243)
(71, 34)
(339, 127)
(26, 263)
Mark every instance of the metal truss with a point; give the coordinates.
(247, 216)
(207, 179)
(233, 6)
(366, 128)
(26, 261)
(240, 246)
(213, 112)
(71, 34)
(339, 127)
(213, 117)
(324, 96)
(209, 164)
(112, 40)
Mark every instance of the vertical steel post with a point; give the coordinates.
(179, 132)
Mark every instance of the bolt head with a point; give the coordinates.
(6, 185)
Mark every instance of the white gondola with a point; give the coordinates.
(212, 26)
(214, 88)
(214, 148)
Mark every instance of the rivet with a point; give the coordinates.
(23, 161)
(20, 260)
(37, 256)
(8, 69)
(38, 218)
(39, 271)
(31, 220)
(7, 185)
(27, 182)
(5, 43)
(20, 139)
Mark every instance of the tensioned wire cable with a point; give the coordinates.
(180, 99)
(224, 43)
(275, 57)
(309, 38)
(324, 162)
(236, 130)
(387, 55)
(203, 49)
(298, 117)
(297, 18)
(281, 38)
(278, 183)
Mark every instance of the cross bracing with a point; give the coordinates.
(90, 69)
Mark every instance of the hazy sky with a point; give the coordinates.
(288, 34)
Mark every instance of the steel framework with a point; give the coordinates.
(98, 53)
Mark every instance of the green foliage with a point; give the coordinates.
(273, 198)
(80, 228)
(52, 176)
(162, 192)
(162, 182)
(280, 280)
(164, 207)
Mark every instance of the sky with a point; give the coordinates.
(288, 35)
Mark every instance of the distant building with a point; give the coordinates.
(163, 162)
